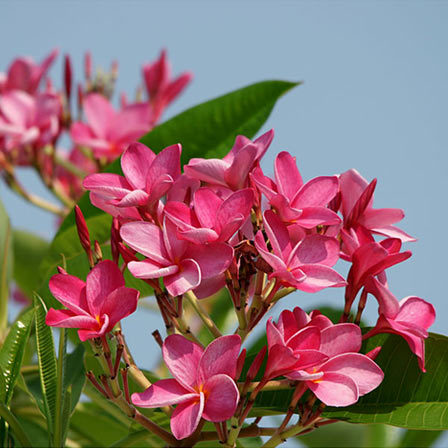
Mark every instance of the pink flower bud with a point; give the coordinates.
(83, 233)
(240, 363)
(374, 353)
(88, 65)
(68, 77)
(256, 364)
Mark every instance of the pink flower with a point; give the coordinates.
(341, 375)
(24, 74)
(182, 265)
(356, 207)
(203, 385)
(296, 202)
(231, 172)
(161, 89)
(27, 120)
(211, 218)
(94, 306)
(372, 259)
(305, 265)
(108, 132)
(147, 177)
(410, 318)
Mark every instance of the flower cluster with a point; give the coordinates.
(34, 116)
(223, 223)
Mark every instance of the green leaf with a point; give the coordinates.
(60, 425)
(6, 266)
(12, 351)
(15, 426)
(407, 397)
(29, 250)
(206, 130)
(75, 377)
(47, 362)
(419, 439)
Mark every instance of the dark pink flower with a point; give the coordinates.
(108, 132)
(410, 318)
(203, 385)
(182, 265)
(94, 306)
(305, 264)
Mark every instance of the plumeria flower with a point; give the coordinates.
(24, 74)
(232, 171)
(28, 121)
(94, 306)
(108, 132)
(356, 207)
(161, 89)
(147, 177)
(295, 202)
(203, 385)
(211, 218)
(182, 265)
(410, 318)
(304, 265)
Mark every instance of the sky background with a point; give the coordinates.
(374, 98)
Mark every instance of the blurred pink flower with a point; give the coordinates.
(203, 385)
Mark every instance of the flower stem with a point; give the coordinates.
(206, 319)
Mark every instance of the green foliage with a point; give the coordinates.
(206, 130)
(419, 439)
(29, 250)
(12, 352)
(6, 266)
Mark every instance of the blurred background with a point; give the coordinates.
(374, 98)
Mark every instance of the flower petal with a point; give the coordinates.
(135, 164)
(222, 398)
(185, 279)
(163, 393)
(71, 292)
(340, 338)
(186, 417)
(335, 389)
(119, 304)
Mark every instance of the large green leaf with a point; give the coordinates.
(407, 397)
(419, 439)
(12, 351)
(75, 377)
(29, 250)
(6, 265)
(206, 130)
(47, 362)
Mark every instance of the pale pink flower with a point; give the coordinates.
(203, 385)
(29, 121)
(94, 306)
(161, 89)
(356, 207)
(295, 202)
(24, 74)
(211, 218)
(108, 132)
(147, 177)
(232, 171)
(410, 318)
(304, 265)
(182, 265)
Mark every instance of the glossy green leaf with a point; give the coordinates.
(206, 130)
(29, 250)
(75, 377)
(12, 352)
(60, 425)
(419, 439)
(15, 426)
(407, 397)
(6, 266)
(47, 362)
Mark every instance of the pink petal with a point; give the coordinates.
(210, 286)
(278, 234)
(315, 216)
(213, 259)
(352, 185)
(68, 319)
(174, 246)
(340, 338)
(309, 359)
(287, 323)
(99, 113)
(274, 261)
(135, 163)
(186, 417)
(335, 389)
(220, 357)
(119, 304)
(149, 269)
(18, 107)
(273, 334)
(222, 398)
(206, 206)
(361, 369)
(182, 358)
(394, 232)
(71, 292)
(416, 311)
(288, 178)
(104, 278)
(130, 123)
(281, 360)
(236, 175)
(317, 192)
(372, 218)
(166, 162)
(388, 304)
(147, 239)
(307, 338)
(176, 87)
(107, 184)
(136, 198)
(187, 278)
(237, 204)
(163, 393)
(207, 170)
(315, 249)
(319, 277)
